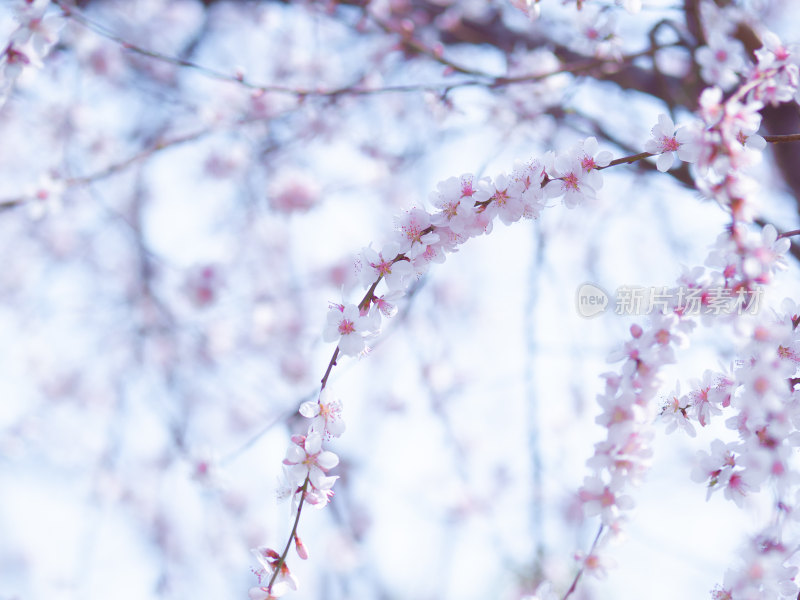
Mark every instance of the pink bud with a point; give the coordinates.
(636, 331)
(301, 549)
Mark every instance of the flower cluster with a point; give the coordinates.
(466, 207)
(722, 59)
(763, 572)
(757, 396)
(722, 141)
(622, 458)
(667, 143)
(306, 469)
(737, 262)
(35, 35)
(760, 404)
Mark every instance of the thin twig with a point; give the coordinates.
(580, 571)
(282, 560)
(780, 139)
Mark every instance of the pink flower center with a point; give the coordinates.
(669, 144)
(741, 138)
(607, 498)
(500, 197)
(384, 267)
(413, 232)
(571, 182)
(346, 327)
(588, 163)
(451, 209)
(16, 57)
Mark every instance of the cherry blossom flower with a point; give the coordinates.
(347, 325)
(531, 174)
(768, 254)
(600, 499)
(589, 157)
(702, 400)
(571, 180)
(776, 73)
(595, 563)
(30, 42)
(433, 253)
(721, 60)
(711, 107)
(305, 458)
(45, 196)
(383, 264)
(415, 232)
(599, 36)
(668, 143)
(708, 464)
(36, 26)
(504, 197)
(386, 303)
(673, 413)
(455, 199)
(763, 572)
(284, 582)
(325, 415)
(318, 495)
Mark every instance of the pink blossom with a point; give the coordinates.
(776, 72)
(433, 253)
(383, 264)
(595, 563)
(589, 157)
(386, 303)
(600, 499)
(531, 174)
(325, 415)
(284, 582)
(763, 572)
(767, 254)
(702, 399)
(346, 324)
(455, 198)
(305, 458)
(570, 180)
(714, 467)
(674, 414)
(37, 28)
(415, 232)
(721, 60)
(668, 143)
(504, 197)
